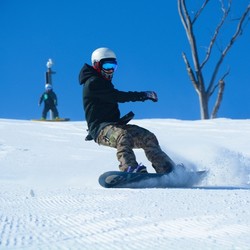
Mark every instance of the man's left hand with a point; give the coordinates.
(151, 95)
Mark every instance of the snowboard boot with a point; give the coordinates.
(138, 169)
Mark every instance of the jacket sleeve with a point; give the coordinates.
(41, 99)
(106, 92)
(131, 96)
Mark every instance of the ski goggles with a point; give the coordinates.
(112, 65)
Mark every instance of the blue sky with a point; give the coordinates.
(147, 37)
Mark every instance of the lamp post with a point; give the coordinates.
(48, 77)
(49, 72)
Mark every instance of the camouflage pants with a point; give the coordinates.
(126, 137)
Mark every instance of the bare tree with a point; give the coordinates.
(195, 72)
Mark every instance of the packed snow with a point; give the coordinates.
(50, 197)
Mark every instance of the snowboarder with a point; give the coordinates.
(50, 102)
(100, 101)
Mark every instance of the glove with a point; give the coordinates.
(150, 95)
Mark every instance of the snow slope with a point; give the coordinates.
(50, 197)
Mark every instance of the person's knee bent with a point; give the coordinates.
(150, 139)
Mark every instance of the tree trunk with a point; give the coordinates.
(203, 105)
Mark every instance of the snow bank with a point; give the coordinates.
(50, 197)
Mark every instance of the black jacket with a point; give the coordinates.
(100, 100)
(49, 98)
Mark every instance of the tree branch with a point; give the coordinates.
(190, 72)
(221, 85)
(217, 85)
(239, 30)
(199, 11)
(189, 32)
(217, 30)
(181, 14)
(237, 33)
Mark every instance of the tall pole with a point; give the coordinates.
(48, 77)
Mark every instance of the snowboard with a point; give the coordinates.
(174, 179)
(53, 120)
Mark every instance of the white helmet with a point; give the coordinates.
(102, 53)
(48, 86)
